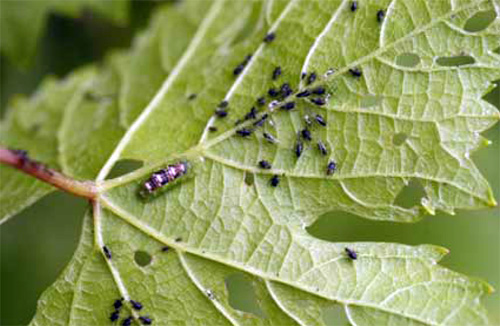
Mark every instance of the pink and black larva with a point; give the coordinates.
(162, 177)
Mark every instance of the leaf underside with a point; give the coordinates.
(137, 106)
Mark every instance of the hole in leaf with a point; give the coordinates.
(407, 60)
(399, 138)
(123, 167)
(493, 96)
(370, 100)
(249, 178)
(411, 195)
(455, 61)
(142, 258)
(334, 315)
(497, 50)
(242, 295)
(480, 21)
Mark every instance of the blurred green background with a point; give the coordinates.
(37, 244)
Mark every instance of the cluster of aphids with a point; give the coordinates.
(163, 177)
(136, 305)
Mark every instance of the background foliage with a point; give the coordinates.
(45, 235)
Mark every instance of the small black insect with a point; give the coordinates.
(299, 147)
(356, 72)
(252, 114)
(162, 177)
(286, 90)
(261, 101)
(107, 252)
(239, 68)
(331, 167)
(380, 15)
(118, 303)
(269, 37)
(354, 6)
(318, 90)
(351, 253)
(145, 320)
(275, 181)
(247, 59)
(264, 165)
(260, 122)
(212, 129)
(276, 73)
(244, 132)
(306, 134)
(304, 93)
(273, 92)
(114, 315)
(127, 321)
(303, 75)
(322, 148)
(221, 113)
(178, 239)
(311, 78)
(320, 120)
(237, 122)
(223, 104)
(192, 96)
(288, 106)
(136, 304)
(165, 248)
(269, 138)
(318, 101)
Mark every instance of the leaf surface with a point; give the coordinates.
(223, 218)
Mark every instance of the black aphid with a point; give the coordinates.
(223, 104)
(269, 138)
(322, 148)
(145, 320)
(306, 134)
(330, 168)
(221, 113)
(247, 59)
(273, 92)
(275, 181)
(107, 252)
(286, 90)
(237, 122)
(288, 106)
(192, 96)
(356, 72)
(114, 315)
(252, 114)
(244, 132)
(260, 122)
(299, 147)
(118, 304)
(165, 248)
(127, 321)
(136, 304)
(239, 68)
(304, 93)
(303, 75)
(354, 6)
(264, 165)
(311, 78)
(318, 101)
(276, 73)
(380, 15)
(320, 120)
(318, 90)
(162, 177)
(351, 253)
(269, 37)
(261, 101)
(212, 129)
(178, 239)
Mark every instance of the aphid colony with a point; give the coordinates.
(135, 305)
(162, 177)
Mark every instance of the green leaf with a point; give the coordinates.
(393, 124)
(22, 22)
